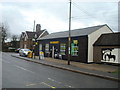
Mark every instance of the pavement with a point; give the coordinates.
(98, 70)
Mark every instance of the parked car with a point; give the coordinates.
(17, 50)
(24, 52)
(58, 56)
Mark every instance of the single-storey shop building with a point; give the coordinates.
(82, 41)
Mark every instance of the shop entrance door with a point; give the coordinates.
(54, 51)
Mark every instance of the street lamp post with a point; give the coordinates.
(69, 37)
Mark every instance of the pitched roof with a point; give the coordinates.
(32, 34)
(22, 35)
(76, 32)
(110, 39)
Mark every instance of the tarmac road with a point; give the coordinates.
(18, 73)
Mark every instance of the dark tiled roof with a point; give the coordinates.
(23, 33)
(32, 34)
(110, 39)
(76, 32)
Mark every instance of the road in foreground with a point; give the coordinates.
(18, 73)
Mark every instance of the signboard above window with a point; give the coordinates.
(54, 42)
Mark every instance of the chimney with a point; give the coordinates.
(38, 27)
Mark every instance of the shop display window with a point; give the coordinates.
(62, 48)
(74, 48)
(47, 48)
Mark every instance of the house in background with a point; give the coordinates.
(82, 41)
(27, 38)
(107, 48)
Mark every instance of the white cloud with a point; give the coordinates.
(47, 20)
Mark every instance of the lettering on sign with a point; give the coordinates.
(54, 42)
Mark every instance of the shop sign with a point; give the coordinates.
(75, 41)
(54, 42)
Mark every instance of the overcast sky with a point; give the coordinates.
(53, 15)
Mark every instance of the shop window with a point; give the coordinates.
(74, 48)
(40, 47)
(47, 48)
(62, 49)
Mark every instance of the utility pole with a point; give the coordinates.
(34, 26)
(69, 37)
(34, 40)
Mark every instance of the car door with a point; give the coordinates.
(20, 52)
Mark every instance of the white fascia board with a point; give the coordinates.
(26, 35)
(22, 35)
(41, 34)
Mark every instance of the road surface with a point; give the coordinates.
(17, 73)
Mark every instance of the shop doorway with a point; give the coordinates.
(54, 51)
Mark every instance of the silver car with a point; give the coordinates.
(24, 52)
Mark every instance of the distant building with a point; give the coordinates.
(82, 41)
(107, 48)
(27, 37)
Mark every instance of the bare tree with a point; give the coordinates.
(4, 33)
(15, 41)
(14, 37)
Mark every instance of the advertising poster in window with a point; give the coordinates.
(62, 49)
(46, 48)
(111, 55)
(74, 48)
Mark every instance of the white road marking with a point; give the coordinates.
(68, 86)
(32, 84)
(43, 83)
(48, 85)
(60, 83)
(23, 68)
(53, 80)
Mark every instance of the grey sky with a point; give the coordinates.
(53, 16)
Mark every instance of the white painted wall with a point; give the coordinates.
(93, 37)
(116, 53)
